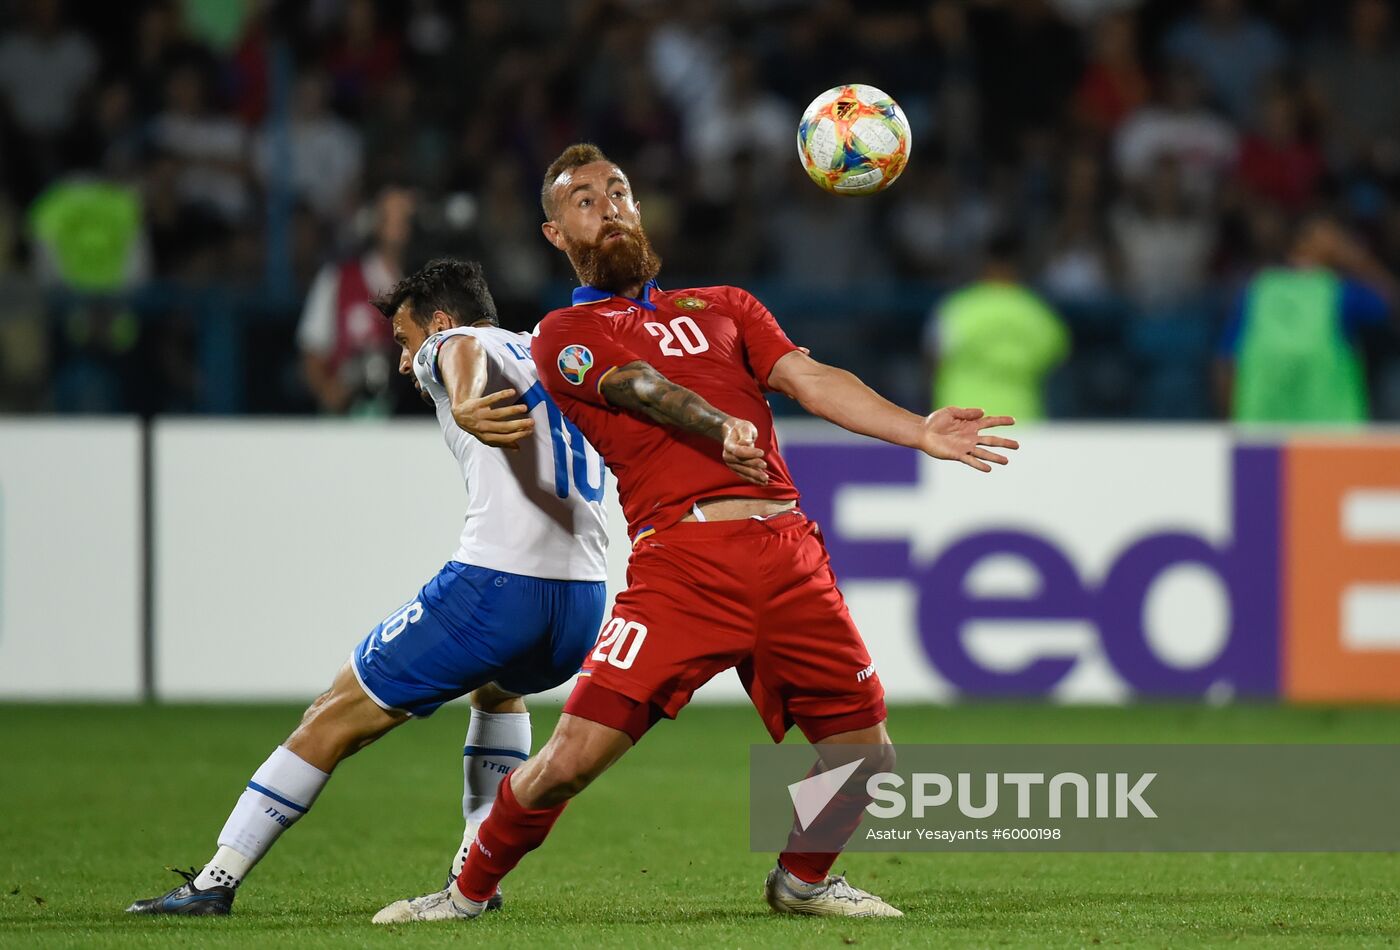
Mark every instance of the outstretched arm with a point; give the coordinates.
(637, 386)
(839, 396)
(462, 367)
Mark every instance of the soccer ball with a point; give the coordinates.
(853, 140)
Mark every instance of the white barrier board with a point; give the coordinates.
(70, 559)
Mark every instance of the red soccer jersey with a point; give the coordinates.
(719, 342)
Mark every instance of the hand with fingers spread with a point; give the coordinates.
(958, 435)
(501, 426)
(741, 454)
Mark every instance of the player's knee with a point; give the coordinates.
(492, 699)
(873, 761)
(317, 706)
(881, 759)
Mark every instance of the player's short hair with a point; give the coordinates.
(457, 288)
(575, 156)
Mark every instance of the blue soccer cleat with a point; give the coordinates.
(188, 900)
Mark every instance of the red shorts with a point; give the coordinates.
(756, 595)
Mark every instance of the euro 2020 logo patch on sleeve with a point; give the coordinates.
(428, 351)
(575, 360)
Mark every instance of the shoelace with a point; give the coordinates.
(839, 888)
(189, 875)
(434, 900)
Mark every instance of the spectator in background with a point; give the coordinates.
(88, 239)
(1076, 266)
(115, 134)
(1289, 351)
(637, 121)
(1165, 237)
(686, 56)
(811, 233)
(45, 72)
(729, 237)
(217, 24)
(1179, 129)
(24, 349)
(817, 34)
(249, 64)
(1084, 13)
(939, 227)
(326, 152)
(749, 118)
(406, 148)
(1358, 82)
(1028, 61)
(209, 147)
(159, 49)
(513, 254)
(954, 100)
(88, 235)
(479, 31)
(185, 242)
(992, 343)
(346, 348)
(1232, 51)
(1114, 84)
(363, 58)
(1278, 163)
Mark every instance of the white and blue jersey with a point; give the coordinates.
(521, 601)
(538, 511)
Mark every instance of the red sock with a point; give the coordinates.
(834, 826)
(509, 832)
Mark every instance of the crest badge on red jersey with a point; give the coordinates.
(690, 303)
(575, 360)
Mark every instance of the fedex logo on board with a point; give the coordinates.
(1296, 565)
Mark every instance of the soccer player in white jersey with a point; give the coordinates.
(514, 612)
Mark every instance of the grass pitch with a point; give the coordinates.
(96, 800)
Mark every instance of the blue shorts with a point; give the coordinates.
(470, 626)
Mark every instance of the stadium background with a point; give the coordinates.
(167, 533)
(1029, 115)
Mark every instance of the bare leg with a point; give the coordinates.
(492, 699)
(339, 723)
(579, 751)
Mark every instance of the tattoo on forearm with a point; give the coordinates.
(639, 387)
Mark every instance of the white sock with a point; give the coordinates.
(280, 791)
(496, 744)
(799, 885)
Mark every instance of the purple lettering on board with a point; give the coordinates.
(1248, 566)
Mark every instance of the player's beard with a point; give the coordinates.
(615, 266)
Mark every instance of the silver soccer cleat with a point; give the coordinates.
(834, 898)
(448, 904)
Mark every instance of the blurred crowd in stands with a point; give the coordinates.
(195, 191)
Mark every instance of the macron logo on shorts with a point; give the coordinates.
(866, 673)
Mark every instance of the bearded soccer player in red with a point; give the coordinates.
(725, 570)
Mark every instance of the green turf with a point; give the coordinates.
(95, 800)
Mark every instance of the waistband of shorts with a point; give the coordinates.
(682, 530)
